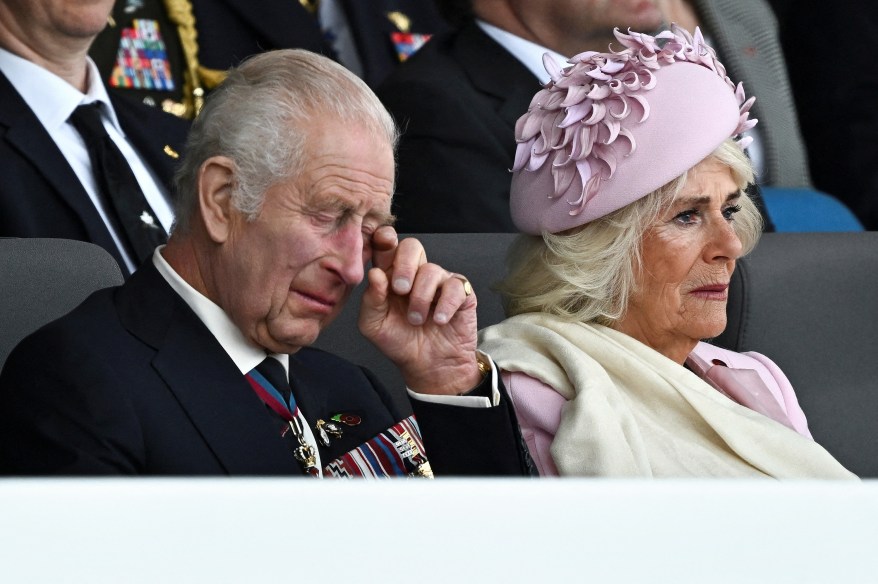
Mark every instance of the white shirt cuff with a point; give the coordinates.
(466, 401)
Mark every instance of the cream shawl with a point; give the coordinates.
(633, 412)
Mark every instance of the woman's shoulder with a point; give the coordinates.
(770, 373)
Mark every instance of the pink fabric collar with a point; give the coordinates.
(743, 386)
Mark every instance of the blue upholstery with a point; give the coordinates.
(798, 210)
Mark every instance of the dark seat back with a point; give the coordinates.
(809, 301)
(43, 279)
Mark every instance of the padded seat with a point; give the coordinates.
(809, 301)
(806, 210)
(43, 279)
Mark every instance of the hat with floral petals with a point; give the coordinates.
(613, 127)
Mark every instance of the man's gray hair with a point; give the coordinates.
(259, 118)
(587, 274)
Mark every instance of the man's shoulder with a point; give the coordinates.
(434, 63)
(131, 110)
(458, 53)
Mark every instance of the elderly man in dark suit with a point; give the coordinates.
(200, 363)
(50, 187)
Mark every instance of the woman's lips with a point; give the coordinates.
(712, 292)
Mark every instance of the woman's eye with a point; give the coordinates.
(729, 212)
(686, 217)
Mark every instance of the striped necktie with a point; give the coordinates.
(269, 381)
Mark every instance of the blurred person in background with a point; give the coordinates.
(169, 53)
(79, 161)
(458, 98)
(839, 119)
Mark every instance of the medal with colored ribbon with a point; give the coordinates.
(289, 411)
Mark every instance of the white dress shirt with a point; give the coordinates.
(53, 100)
(244, 354)
(530, 54)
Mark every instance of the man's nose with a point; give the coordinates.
(348, 257)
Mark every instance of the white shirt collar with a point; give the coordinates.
(245, 355)
(50, 97)
(530, 54)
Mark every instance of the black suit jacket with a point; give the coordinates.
(40, 195)
(371, 28)
(231, 30)
(132, 382)
(457, 101)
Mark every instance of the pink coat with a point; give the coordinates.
(538, 406)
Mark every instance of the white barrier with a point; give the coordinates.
(275, 530)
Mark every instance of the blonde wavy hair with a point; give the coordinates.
(588, 273)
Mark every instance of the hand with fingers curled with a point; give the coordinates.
(421, 316)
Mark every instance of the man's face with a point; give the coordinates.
(285, 275)
(573, 26)
(36, 20)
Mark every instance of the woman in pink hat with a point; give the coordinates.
(629, 187)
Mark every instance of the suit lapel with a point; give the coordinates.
(26, 134)
(324, 390)
(204, 380)
(282, 23)
(152, 142)
(494, 71)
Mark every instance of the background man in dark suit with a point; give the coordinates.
(192, 43)
(48, 187)
(458, 98)
(285, 195)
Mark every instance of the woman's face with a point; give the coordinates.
(688, 258)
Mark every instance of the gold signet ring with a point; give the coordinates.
(467, 287)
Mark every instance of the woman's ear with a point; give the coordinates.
(215, 180)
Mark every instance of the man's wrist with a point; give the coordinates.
(450, 379)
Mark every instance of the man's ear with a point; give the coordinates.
(215, 180)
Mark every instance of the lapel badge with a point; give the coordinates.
(171, 152)
(327, 430)
(347, 419)
(148, 220)
(133, 6)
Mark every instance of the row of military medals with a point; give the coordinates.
(304, 453)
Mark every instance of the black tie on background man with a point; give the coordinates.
(123, 198)
(50, 187)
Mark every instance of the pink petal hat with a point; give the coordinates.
(613, 127)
